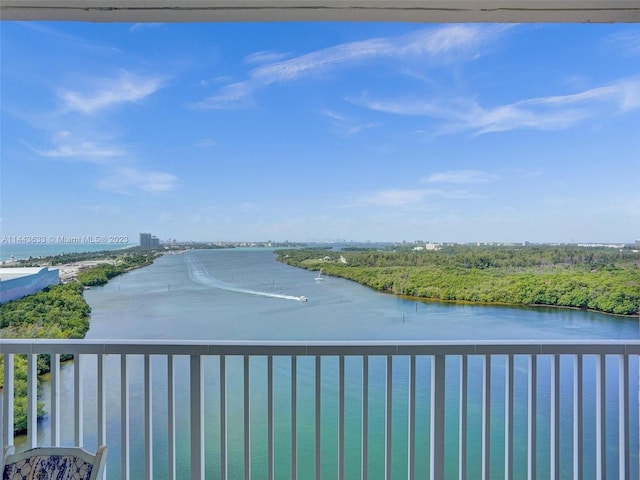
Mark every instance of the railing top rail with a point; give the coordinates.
(328, 347)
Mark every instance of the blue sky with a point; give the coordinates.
(321, 131)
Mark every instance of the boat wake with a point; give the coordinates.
(198, 273)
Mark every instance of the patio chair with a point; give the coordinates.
(59, 463)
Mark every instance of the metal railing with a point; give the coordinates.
(416, 409)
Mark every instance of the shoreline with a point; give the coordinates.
(498, 286)
(500, 304)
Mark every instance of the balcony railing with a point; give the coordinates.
(337, 409)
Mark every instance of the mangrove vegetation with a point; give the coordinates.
(57, 312)
(602, 279)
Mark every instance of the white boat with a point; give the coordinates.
(302, 298)
(319, 277)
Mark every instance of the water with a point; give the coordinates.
(21, 251)
(244, 294)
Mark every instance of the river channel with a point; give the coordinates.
(245, 294)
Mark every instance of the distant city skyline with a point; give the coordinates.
(312, 132)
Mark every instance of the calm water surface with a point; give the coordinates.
(244, 294)
(235, 294)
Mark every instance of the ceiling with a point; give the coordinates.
(439, 11)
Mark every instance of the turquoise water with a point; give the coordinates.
(244, 294)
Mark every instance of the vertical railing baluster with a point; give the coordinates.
(412, 418)
(365, 417)
(32, 400)
(294, 415)
(270, 459)
(437, 416)
(101, 402)
(78, 400)
(486, 418)
(171, 418)
(341, 449)
(578, 442)
(601, 418)
(624, 421)
(223, 417)
(124, 417)
(532, 424)
(318, 412)
(508, 417)
(388, 417)
(196, 392)
(554, 421)
(55, 399)
(579, 388)
(8, 399)
(148, 419)
(462, 432)
(247, 421)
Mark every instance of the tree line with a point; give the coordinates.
(601, 279)
(57, 312)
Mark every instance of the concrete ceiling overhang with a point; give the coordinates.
(510, 11)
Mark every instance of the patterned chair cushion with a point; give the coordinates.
(48, 467)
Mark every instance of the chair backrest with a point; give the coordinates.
(60, 463)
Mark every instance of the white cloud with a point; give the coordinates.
(442, 44)
(117, 173)
(264, 57)
(108, 92)
(347, 126)
(144, 26)
(393, 198)
(206, 143)
(65, 146)
(86, 151)
(626, 42)
(234, 95)
(555, 112)
(407, 197)
(461, 176)
(123, 179)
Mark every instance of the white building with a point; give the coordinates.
(19, 282)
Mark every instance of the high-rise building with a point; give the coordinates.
(145, 240)
(149, 241)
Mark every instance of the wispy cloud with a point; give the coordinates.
(206, 143)
(108, 92)
(395, 198)
(124, 179)
(438, 45)
(65, 146)
(461, 176)
(60, 37)
(115, 165)
(94, 142)
(264, 57)
(144, 26)
(543, 113)
(626, 42)
(346, 125)
(87, 151)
